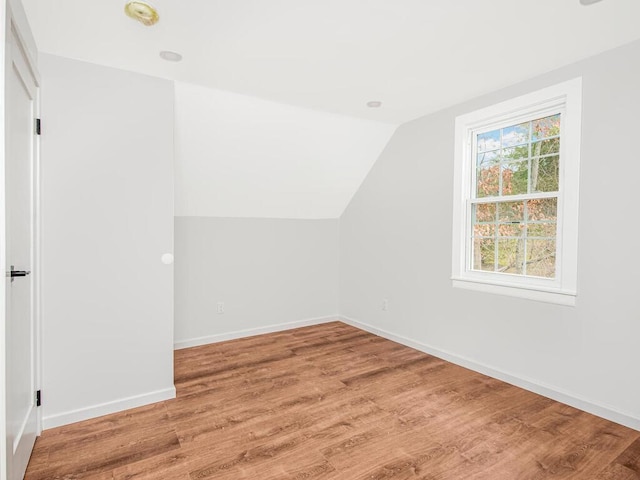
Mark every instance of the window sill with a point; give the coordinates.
(531, 293)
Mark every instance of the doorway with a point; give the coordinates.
(21, 326)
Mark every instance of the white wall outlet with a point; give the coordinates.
(220, 307)
(385, 304)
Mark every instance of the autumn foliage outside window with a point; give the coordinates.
(515, 204)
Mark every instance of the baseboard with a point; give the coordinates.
(528, 384)
(250, 332)
(65, 418)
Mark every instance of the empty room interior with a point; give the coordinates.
(334, 240)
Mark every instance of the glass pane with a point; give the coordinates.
(511, 256)
(541, 258)
(489, 141)
(484, 212)
(542, 209)
(545, 174)
(515, 153)
(515, 135)
(515, 176)
(545, 147)
(484, 254)
(546, 127)
(488, 181)
(511, 211)
(511, 229)
(486, 159)
(541, 230)
(484, 229)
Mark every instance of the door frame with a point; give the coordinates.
(16, 21)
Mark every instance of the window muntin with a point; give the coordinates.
(523, 160)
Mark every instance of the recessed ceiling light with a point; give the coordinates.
(143, 12)
(374, 104)
(588, 2)
(170, 56)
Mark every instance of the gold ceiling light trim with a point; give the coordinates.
(143, 12)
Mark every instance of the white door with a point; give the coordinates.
(20, 169)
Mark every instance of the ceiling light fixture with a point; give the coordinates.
(374, 104)
(170, 56)
(588, 2)
(142, 12)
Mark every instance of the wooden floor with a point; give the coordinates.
(333, 402)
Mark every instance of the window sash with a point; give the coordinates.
(528, 117)
(470, 236)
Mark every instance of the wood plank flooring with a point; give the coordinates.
(333, 402)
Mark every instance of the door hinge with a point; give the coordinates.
(38, 126)
(38, 398)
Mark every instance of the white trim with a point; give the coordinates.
(540, 294)
(565, 98)
(3, 385)
(37, 260)
(114, 406)
(529, 384)
(250, 332)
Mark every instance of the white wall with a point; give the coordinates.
(107, 181)
(239, 156)
(396, 244)
(271, 274)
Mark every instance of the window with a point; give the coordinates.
(516, 196)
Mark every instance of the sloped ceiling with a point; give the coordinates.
(240, 156)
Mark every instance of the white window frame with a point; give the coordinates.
(564, 98)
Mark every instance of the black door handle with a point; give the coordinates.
(18, 273)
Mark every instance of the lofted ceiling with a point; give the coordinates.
(415, 56)
(241, 156)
